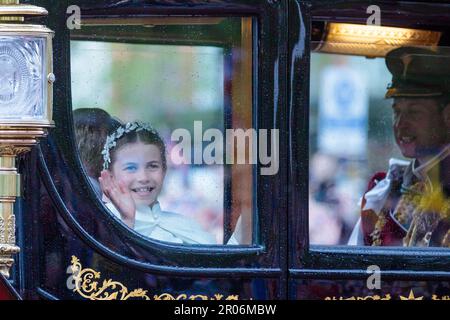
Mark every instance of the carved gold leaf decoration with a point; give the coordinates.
(10, 150)
(375, 297)
(8, 228)
(388, 297)
(435, 297)
(168, 296)
(2, 230)
(411, 297)
(183, 296)
(12, 229)
(87, 285)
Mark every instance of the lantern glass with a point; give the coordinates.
(23, 83)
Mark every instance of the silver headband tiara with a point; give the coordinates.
(111, 140)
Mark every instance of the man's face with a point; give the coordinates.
(419, 126)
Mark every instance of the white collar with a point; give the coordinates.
(149, 214)
(422, 170)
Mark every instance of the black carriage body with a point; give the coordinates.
(60, 217)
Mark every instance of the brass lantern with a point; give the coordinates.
(26, 80)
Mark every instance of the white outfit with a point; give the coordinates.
(166, 226)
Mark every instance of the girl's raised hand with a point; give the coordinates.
(120, 196)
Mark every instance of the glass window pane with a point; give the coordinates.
(379, 148)
(191, 80)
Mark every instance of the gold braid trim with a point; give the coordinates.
(431, 208)
(376, 234)
(406, 205)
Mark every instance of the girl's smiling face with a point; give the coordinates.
(139, 168)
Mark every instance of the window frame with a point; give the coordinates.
(96, 34)
(336, 261)
(267, 15)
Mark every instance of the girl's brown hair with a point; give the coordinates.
(144, 136)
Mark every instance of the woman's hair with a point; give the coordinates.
(92, 126)
(131, 133)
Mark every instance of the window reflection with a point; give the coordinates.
(379, 159)
(173, 86)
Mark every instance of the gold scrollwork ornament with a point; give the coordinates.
(87, 285)
(444, 298)
(2, 230)
(11, 229)
(168, 296)
(8, 230)
(375, 297)
(10, 150)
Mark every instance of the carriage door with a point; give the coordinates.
(210, 78)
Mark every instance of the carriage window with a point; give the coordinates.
(379, 148)
(158, 107)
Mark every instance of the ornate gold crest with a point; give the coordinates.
(87, 284)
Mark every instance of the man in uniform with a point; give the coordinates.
(409, 205)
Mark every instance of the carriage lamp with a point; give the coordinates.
(370, 40)
(26, 81)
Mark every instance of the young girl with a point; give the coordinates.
(133, 174)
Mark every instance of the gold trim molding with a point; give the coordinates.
(8, 234)
(6, 260)
(375, 297)
(9, 186)
(88, 285)
(18, 136)
(15, 9)
(9, 2)
(26, 29)
(183, 296)
(152, 21)
(8, 150)
(373, 41)
(411, 296)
